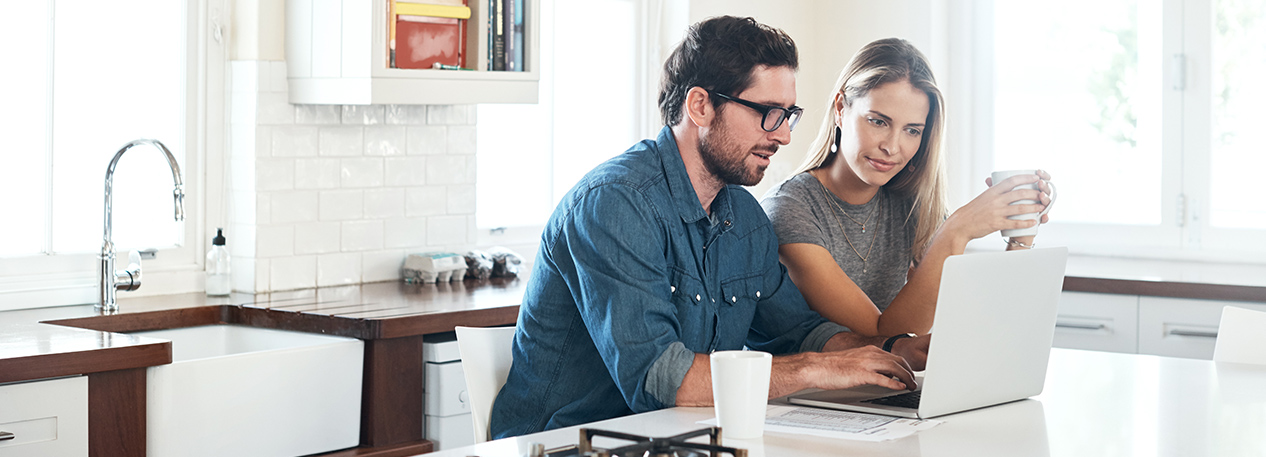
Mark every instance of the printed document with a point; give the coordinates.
(838, 424)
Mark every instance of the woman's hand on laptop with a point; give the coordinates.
(914, 350)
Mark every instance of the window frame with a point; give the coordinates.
(1184, 232)
(51, 279)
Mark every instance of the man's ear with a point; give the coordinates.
(699, 107)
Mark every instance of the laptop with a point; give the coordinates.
(991, 338)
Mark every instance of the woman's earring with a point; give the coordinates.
(836, 145)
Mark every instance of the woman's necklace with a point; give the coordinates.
(839, 222)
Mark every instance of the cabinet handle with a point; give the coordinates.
(5, 436)
(1181, 332)
(1081, 326)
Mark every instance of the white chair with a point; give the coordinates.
(486, 358)
(1241, 336)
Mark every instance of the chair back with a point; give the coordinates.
(486, 358)
(1241, 336)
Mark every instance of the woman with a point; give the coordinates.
(862, 224)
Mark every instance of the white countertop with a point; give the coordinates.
(1094, 404)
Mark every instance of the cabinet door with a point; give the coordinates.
(45, 418)
(1100, 322)
(1181, 327)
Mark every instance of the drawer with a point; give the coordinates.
(1099, 322)
(451, 431)
(440, 347)
(45, 418)
(445, 390)
(1181, 327)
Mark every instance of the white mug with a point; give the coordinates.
(740, 392)
(999, 176)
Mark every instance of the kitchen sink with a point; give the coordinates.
(236, 390)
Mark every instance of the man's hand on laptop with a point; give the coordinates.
(841, 370)
(914, 350)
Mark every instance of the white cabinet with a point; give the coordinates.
(44, 418)
(1098, 322)
(447, 404)
(336, 54)
(1180, 327)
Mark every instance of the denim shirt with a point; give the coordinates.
(631, 280)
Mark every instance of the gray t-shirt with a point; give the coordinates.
(803, 211)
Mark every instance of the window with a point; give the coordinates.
(82, 79)
(529, 156)
(1142, 111)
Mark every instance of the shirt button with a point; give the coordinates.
(734, 299)
(673, 289)
(714, 300)
(727, 222)
(758, 294)
(698, 297)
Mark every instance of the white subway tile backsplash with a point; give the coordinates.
(381, 265)
(338, 269)
(405, 171)
(363, 114)
(317, 237)
(384, 203)
(450, 114)
(294, 206)
(461, 199)
(274, 174)
(385, 141)
(244, 76)
(342, 205)
(275, 109)
(289, 273)
(448, 230)
(328, 195)
(294, 141)
(461, 139)
(316, 173)
(446, 169)
(405, 233)
(406, 114)
(242, 108)
(362, 172)
(274, 241)
(342, 141)
(318, 114)
(431, 139)
(426, 201)
(276, 76)
(362, 235)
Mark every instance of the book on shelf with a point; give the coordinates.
(498, 55)
(426, 35)
(515, 57)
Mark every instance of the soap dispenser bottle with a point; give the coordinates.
(218, 266)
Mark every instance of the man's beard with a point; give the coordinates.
(724, 160)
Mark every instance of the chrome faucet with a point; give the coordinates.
(111, 280)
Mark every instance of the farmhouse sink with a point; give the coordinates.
(246, 391)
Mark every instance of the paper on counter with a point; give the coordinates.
(838, 424)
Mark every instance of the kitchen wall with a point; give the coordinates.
(327, 195)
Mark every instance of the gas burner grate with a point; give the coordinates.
(644, 446)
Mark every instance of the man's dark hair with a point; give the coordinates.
(718, 54)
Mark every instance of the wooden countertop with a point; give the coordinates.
(1166, 278)
(79, 340)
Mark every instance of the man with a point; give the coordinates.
(658, 257)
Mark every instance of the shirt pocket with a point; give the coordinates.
(697, 323)
(741, 296)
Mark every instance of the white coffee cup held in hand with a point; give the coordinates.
(999, 176)
(740, 392)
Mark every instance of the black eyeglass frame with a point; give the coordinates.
(794, 113)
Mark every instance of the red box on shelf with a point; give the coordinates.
(423, 41)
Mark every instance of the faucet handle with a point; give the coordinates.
(129, 279)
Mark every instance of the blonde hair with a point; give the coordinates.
(878, 63)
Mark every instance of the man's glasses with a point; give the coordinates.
(772, 116)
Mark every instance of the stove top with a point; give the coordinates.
(643, 446)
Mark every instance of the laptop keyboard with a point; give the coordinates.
(906, 400)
